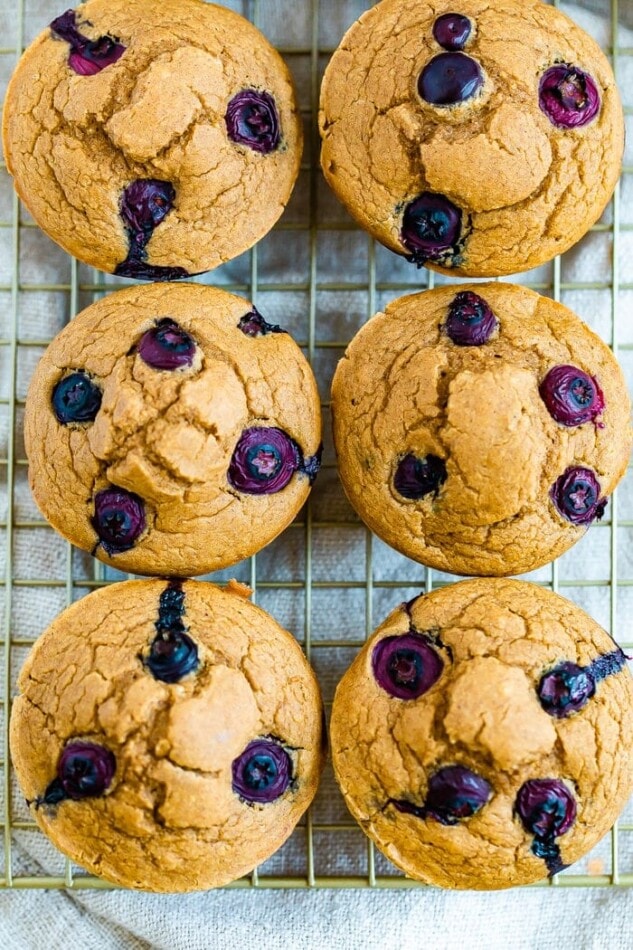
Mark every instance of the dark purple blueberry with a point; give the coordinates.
(144, 204)
(546, 807)
(84, 770)
(608, 664)
(140, 270)
(451, 30)
(76, 399)
(470, 320)
(87, 57)
(565, 690)
(253, 324)
(417, 477)
(166, 346)
(172, 656)
(264, 461)
(312, 464)
(431, 227)
(119, 519)
(455, 793)
(572, 397)
(263, 771)
(406, 666)
(576, 496)
(450, 78)
(171, 608)
(252, 119)
(568, 96)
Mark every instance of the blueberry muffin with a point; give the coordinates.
(167, 736)
(152, 140)
(480, 428)
(479, 139)
(483, 737)
(171, 430)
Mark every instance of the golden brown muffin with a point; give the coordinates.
(483, 737)
(168, 736)
(152, 139)
(479, 139)
(480, 428)
(171, 430)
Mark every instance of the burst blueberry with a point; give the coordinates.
(167, 346)
(144, 205)
(454, 794)
(76, 398)
(546, 807)
(252, 119)
(264, 460)
(470, 320)
(452, 31)
(263, 772)
(406, 666)
(576, 496)
(568, 96)
(565, 690)
(84, 770)
(417, 477)
(431, 227)
(450, 78)
(572, 396)
(172, 656)
(253, 324)
(87, 57)
(119, 519)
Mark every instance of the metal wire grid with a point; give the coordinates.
(325, 512)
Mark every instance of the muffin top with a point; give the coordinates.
(479, 139)
(168, 736)
(171, 430)
(483, 737)
(480, 428)
(153, 140)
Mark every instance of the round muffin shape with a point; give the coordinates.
(480, 428)
(176, 777)
(172, 430)
(447, 127)
(483, 780)
(153, 140)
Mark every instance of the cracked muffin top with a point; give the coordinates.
(480, 428)
(483, 737)
(479, 139)
(171, 430)
(152, 140)
(168, 735)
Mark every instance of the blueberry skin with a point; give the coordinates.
(76, 398)
(449, 79)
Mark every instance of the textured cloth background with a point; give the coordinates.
(344, 919)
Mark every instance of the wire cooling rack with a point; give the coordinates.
(326, 578)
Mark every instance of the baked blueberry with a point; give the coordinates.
(568, 96)
(252, 119)
(87, 57)
(450, 78)
(264, 461)
(253, 324)
(84, 770)
(576, 496)
(416, 477)
(547, 810)
(572, 396)
(167, 346)
(76, 398)
(263, 772)
(452, 30)
(144, 204)
(119, 519)
(566, 690)
(470, 320)
(431, 227)
(406, 666)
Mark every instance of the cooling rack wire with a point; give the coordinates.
(327, 578)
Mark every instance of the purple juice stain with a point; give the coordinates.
(572, 396)
(167, 346)
(449, 79)
(452, 31)
(173, 654)
(470, 320)
(568, 96)
(576, 496)
(431, 229)
(454, 793)
(253, 324)
(417, 477)
(87, 57)
(264, 461)
(263, 772)
(567, 688)
(406, 666)
(119, 519)
(547, 810)
(84, 770)
(252, 120)
(144, 204)
(76, 398)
